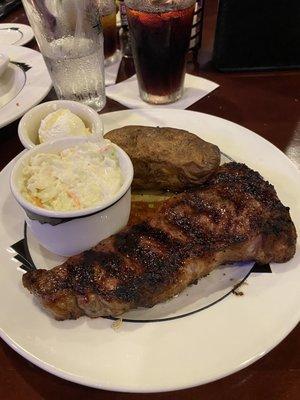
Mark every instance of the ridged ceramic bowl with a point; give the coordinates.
(29, 124)
(70, 232)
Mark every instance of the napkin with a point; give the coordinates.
(111, 71)
(127, 93)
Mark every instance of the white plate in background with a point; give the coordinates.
(24, 83)
(16, 34)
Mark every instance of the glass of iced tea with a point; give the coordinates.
(160, 34)
(109, 26)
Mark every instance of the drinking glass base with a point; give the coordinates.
(156, 99)
(96, 103)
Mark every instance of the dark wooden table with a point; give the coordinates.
(267, 103)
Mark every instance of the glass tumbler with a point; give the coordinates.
(160, 32)
(70, 38)
(109, 24)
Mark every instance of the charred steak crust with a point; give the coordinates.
(235, 216)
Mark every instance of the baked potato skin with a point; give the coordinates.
(166, 158)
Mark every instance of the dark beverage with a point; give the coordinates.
(160, 41)
(110, 34)
(107, 11)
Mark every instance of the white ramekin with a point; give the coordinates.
(70, 232)
(31, 121)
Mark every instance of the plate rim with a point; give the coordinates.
(207, 115)
(38, 95)
(78, 379)
(27, 32)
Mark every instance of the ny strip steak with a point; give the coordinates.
(235, 216)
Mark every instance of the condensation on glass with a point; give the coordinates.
(70, 38)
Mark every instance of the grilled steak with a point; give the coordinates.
(235, 216)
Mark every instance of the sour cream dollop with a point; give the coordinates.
(61, 123)
(79, 177)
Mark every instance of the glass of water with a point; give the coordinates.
(70, 39)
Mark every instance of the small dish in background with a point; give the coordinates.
(30, 123)
(16, 34)
(68, 233)
(25, 83)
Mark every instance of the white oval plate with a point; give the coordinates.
(171, 354)
(24, 84)
(16, 34)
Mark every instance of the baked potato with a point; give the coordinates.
(166, 158)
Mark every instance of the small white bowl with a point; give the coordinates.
(70, 232)
(31, 121)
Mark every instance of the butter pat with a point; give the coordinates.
(61, 123)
